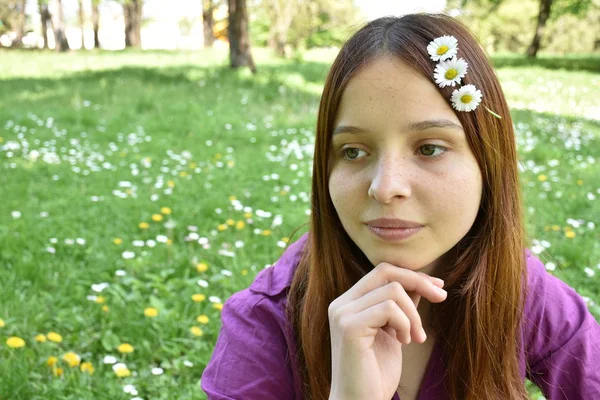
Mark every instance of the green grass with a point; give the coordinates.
(186, 132)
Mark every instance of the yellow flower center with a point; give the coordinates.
(451, 74)
(442, 50)
(466, 98)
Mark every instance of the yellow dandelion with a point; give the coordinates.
(283, 192)
(230, 163)
(248, 214)
(87, 367)
(72, 359)
(202, 267)
(244, 272)
(147, 159)
(222, 227)
(230, 222)
(105, 308)
(580, 182)
(240, 225)
(542, 178)
(54, 337)
(555, 228)
(57, 371)
(125, 348)
(193, 165)
(232, 198)
(169, 242)
(51, 361)
(40, 338)
(196, 331)
(122, 372)
(266, 232)
(285, 239)
(1, 139)
(203, 319)
(218, 156)
(570, 234)
(100, 300)
(218, 306)
(183, 174)
(144, 225)
(117, 241)
(198, 297)
(129, 191)
(151, 312)
(15, 342)
(157, 217)
(2, 324)
(165, 210)
(171, 184)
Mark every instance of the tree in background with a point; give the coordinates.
(44, 19)
(511, 18)
(132, 11)
(237, 32)
(58, 27)
(208, 21)
(20, 25)
(81, 15)
(10, 15)
(96, 22)
(315, 23)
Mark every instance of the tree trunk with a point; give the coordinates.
(96, 22)
(239, 41)
(283, 14)
(208, 22)
(82, 24)
(544, 14)
(44, 17)
(18, 42)
(57, 20)
(133, 23)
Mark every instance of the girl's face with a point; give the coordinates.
(399, 151)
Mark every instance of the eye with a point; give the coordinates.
(350, 153)
(429, 150)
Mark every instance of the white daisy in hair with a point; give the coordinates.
(449, 73)
(442, 48)
(467, 98)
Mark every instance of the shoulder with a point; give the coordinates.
(554, 312)
(277, 278)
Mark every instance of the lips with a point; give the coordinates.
(393, 223)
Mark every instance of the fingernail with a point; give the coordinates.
(423, 334)
(440, 290)
(438, 280)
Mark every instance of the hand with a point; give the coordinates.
(369, 323)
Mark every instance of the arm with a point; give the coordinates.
(562, 343)
(250, 359)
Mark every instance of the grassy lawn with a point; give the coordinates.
(141, 189)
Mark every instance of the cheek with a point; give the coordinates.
(342, 189)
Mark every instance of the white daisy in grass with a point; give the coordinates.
(467, 98)
(442, 48)
(449, 73)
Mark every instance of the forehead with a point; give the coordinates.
(389, 91)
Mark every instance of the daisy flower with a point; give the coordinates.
(467, 98)
(449, 73)
(442, 48)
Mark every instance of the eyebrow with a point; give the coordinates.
(414, 126)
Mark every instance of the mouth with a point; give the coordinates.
(394, 234)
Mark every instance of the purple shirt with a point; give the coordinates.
(253, 358)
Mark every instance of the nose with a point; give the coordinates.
(391, 178)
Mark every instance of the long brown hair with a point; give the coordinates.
(479, 323)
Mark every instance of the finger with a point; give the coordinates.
(370, 320)
(385, 273)
(392, 291)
